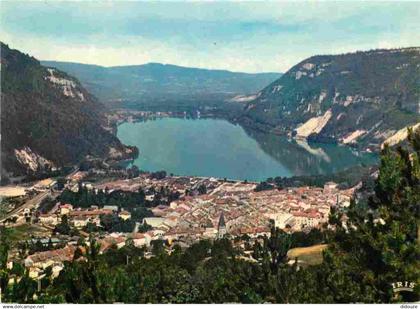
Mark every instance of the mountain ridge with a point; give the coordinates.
(157, 64)
(360, 98)
(168, 85)
(65, 122)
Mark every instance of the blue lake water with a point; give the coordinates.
(218, 148)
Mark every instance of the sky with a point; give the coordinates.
(257, 36)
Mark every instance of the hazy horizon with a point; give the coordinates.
(159, 63)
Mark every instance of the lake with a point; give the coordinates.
(218, 148)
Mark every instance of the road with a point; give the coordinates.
(36, 200)
(76, 169)
(30, 204)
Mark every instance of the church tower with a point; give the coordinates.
(221, 228)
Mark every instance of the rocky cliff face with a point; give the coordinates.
(362, 98)
(48, 120)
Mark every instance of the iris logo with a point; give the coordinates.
(403, 286)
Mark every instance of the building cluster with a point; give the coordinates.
(248, 212)
(181, 184)
(196, 215)
(38, 262)
(207, 208)
(78, 217)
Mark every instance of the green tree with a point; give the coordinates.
(63, 227)
(158, 247)
(379, 245)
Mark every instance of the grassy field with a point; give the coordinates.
(23, 232)
(307, 255)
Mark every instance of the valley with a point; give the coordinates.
(327, 99)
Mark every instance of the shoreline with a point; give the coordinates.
(130, 117)
(295, 142)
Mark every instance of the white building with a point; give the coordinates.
(125, 215)
(80, 221)
(65, 209)
(50, 219)
(281, 220)
(111, 207)
(306, 219)
(330, 186)
(140, 239)
(153, 221)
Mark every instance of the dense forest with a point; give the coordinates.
(48, 120)
(368, 251)
(370, 91)
(85, 198)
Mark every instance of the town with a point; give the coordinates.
(180, 210)
(214, 152)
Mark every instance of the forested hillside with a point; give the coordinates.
(361, 98)
(48, 119)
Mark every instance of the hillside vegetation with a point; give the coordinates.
(48, 119)
(360, 98)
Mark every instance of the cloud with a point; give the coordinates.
(239, 36)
